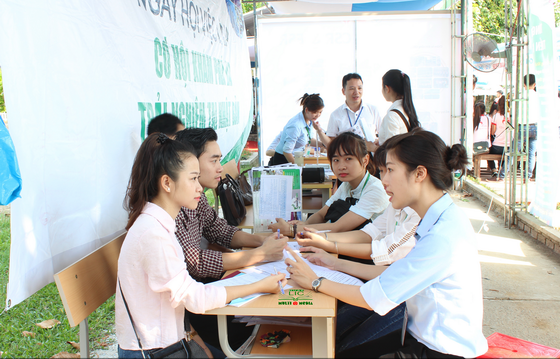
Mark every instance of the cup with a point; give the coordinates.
(298, 158)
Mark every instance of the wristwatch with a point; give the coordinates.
(316, 283)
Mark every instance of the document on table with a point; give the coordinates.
(280, 266)
(241, 279)
(276, 197)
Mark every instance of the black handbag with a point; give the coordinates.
(231, 198)
(339, 208)
(245, 188)
(180, 349)
(481, 147)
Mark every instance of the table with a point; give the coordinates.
(322, 313)
(313, 204)
(312, 160)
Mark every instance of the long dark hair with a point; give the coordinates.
(479, 109)
(424, 148)
(312, 102)
(157, 156)
(400, 83)
(350, 144)
(502, 105)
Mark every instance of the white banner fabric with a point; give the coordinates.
(312, 54)
(82, 79)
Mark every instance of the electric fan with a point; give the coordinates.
(481, 52)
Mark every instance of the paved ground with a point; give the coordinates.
(520, 277)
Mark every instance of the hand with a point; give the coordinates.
(319, 257)
(309, 238)
(317, 126)
(273, 248)
(372, 146)
(299, 271)
(270, 283)
(295, 221)
(282, 225)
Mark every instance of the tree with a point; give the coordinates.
(248, 6)
(2, 103)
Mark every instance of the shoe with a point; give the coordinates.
(494, 174)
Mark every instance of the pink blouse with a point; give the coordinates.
(156, 284)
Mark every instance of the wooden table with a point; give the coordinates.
(312, 160)
(313, 204)
(322, 313)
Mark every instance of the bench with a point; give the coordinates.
(482, 157)
(490, 157)
(88, 283)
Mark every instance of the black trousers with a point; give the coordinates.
(390, 346)
(279, 159)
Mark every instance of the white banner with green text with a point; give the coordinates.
(82, 79)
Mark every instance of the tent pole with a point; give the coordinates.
(256, 87)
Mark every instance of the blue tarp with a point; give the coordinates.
(10, 178)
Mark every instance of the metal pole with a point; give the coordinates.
(256, 86)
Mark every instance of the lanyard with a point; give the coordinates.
(357, 118)
(308, 131)
(364, 186)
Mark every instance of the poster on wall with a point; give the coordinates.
(82, 80)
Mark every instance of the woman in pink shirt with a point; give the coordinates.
(151, 269)
(498, 130)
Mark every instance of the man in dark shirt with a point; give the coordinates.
(191, 225)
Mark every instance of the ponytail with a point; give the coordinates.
(312, 103)
(400, 83)
(424, 148)
(157, 156)
(479, 109)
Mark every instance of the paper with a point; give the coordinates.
(280, 266)
(241, 279)
(276, 197)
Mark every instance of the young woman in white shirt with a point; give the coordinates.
(387, 239)
(481, 124)
(360, 197)
(151, 268)
(439, 279)
(401, 116)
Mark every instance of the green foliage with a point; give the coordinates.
(43, 305)
(489, 16)
(249, 6)
(2, 103)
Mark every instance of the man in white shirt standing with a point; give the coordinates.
(353, 115)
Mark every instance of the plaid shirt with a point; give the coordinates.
(192, 225)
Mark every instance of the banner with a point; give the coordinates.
(82, 79)
(541, 50)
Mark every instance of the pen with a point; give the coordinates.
(279, 282)
(278, 234)
(325, 231)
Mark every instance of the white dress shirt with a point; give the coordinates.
(372, 198)
(440, 281)
(392, 234)
(343, 119)
(392, 124)
(156, 284)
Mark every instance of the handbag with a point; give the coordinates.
(182, 349)
(339, 208)
(245, 188)
(231, 198)
(482, 147)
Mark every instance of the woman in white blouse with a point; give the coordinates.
(401, 116)
(151, 269)
(439, 279)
